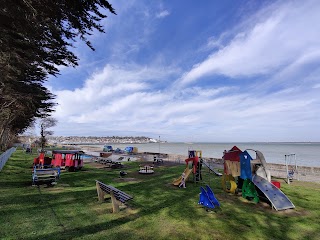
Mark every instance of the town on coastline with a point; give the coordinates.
(91, 140)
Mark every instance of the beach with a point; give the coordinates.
(307, 154)
(277, 169)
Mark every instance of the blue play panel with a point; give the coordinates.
(207, 198)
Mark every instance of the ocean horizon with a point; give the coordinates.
(306, 153)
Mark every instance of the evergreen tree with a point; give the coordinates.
(36, 37)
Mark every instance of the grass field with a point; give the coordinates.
(70, 209)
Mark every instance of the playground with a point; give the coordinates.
(154, 208)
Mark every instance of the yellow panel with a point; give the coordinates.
(228, 178)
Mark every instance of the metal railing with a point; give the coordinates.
(5, 156)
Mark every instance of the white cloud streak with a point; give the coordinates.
(163, 14)
(288, 33)
(282, 47)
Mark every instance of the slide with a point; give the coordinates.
(187, 172)
(277, 198)
(211, 169)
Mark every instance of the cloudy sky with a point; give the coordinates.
(197, 71)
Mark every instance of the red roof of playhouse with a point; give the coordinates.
(233, 154)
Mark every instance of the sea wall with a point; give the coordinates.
(303, 173)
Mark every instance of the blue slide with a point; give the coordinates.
(207, 198)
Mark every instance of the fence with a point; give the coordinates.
(5, 156)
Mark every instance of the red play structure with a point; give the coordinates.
(42, 161)
(69, 159)
(194, 161)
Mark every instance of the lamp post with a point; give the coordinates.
(159, 146)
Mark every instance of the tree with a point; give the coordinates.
(45, 124)
(36, 37)
(22, 104)
(38, 34)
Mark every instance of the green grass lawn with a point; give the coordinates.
(70, 209)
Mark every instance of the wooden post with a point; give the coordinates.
(115, 203)
(100, 193)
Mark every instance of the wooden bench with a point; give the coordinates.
(47, 176)
(157, 159)
(117, 196)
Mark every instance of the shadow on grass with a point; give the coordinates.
(76, 212)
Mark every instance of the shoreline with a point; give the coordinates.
(304, 173)
(304, 154)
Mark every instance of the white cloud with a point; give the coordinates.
(281, 45)
(277, 39)
(163, 14)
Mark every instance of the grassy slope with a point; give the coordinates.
(70, 210)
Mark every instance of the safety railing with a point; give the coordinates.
(5, 156)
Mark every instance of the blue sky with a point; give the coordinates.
(197, 71)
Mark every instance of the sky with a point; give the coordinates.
(197, 71)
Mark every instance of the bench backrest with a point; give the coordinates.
(119, 195)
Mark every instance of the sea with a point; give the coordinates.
(300, 153)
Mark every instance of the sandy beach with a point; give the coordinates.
(304, 173)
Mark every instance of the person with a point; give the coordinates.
(183, 181)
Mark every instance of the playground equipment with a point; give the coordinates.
(207, 198)
(117, 196)
(252, 174)
(211, 169)
(195, 157)
(228, 183)
(277, 198)
(42, 161)
(71, 160)
(146, 169)
(122, 173)
(291, 166)
(187, 173)
(196, 167)
(157, 159)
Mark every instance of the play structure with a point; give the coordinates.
(195, 158)
(208, 165)
(291, 166)
(195, 168)
(42, 161)
(70, 160)
(146, 169)
(118, 197)
(186, 172)
(109, 163)
(207, 198)
(252, 177)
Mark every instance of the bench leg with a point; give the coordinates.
(115, 203)
(100, 193)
